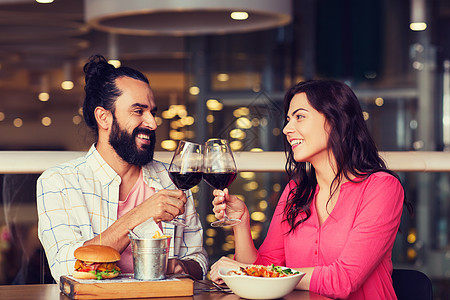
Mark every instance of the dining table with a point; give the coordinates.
(201, 292)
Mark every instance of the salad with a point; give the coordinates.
(266, 271)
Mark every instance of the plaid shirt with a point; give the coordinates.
(79, 199)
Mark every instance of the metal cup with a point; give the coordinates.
(150, 257)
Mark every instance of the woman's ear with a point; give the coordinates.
(103, 117)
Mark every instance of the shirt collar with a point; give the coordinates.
(100, 167)
(151, 177)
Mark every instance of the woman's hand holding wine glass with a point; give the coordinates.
(219, 171)
(231, 205)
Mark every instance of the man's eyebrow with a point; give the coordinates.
(140, 105)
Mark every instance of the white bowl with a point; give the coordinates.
(251, 287)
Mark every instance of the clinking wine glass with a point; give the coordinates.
(219, 171)
(185, 169)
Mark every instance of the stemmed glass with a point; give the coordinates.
(185, 169)
(219, 171)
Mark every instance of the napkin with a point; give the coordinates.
(147, 229)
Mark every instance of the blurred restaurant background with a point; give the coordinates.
(220, 69)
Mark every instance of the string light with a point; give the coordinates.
(194, 90)
(418, 15)
(113, 52)
(46, 121)
(169, 145)
(44, 96)
(379, 101)
(210, 118)
(76, 120)
(223, 77)
(214, 105)
(67, 84)
(243, 123)
(239, 15)
(17, 122)
(115, 62)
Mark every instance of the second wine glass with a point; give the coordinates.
(185, 169)
(219, 171)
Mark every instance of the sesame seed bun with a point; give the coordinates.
(97, 254)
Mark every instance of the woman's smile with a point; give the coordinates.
(295, 142)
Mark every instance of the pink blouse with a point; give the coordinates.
(351, 251)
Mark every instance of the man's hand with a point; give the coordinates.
(164, 205)
(176, 266)
(188, 266)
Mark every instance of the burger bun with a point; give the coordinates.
(97, 254)
(89, 275)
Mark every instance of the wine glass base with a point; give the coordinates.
(225, 222)
(175, 222)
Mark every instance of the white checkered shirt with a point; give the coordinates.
(79, 199)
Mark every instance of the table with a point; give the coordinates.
(51, 292)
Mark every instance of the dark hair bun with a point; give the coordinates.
(96, 67)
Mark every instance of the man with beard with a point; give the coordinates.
(117, 185)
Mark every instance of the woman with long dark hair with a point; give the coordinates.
(338, 216)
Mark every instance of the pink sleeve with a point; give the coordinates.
(370, 240)
(272, 249)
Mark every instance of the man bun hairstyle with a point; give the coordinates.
(101, 89)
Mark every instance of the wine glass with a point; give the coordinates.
(185, 169)
(219, 171)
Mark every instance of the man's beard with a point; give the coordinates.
(125, 145)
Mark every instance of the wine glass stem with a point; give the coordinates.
(225, 216)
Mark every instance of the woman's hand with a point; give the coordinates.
(224, 262)
(234, 207)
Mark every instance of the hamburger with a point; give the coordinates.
(96, 262)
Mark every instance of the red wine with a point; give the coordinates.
(186, 180)
(219, 180)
